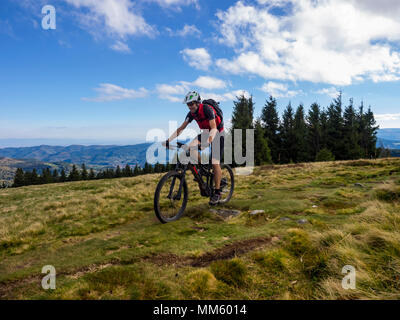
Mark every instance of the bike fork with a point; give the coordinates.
(178, 196)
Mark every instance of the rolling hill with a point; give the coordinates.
(100, 156)
(104, 241)
(8, 167)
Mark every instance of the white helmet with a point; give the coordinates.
(192, 96)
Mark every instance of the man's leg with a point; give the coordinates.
(217, 176)
(217, 151)
(194, 147)
(217, 154)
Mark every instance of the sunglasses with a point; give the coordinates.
(191, 104)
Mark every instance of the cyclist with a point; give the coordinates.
(207, 119)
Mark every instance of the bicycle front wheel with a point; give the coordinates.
(171, 197)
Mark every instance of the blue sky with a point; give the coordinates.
(114, 69)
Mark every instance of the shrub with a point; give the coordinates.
(231, 272)
(388, 194)
(201, 283)
(298, 242)
(272, 260)
(324, 155)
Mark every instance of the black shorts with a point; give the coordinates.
(217, 147)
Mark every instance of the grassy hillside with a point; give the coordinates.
(105, 243)
(8, 167)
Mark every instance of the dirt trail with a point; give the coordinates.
(227, 252)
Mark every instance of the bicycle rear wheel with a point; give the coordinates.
(171, 197)
(227, 184)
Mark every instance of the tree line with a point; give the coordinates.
(27, 178)
(338, 132)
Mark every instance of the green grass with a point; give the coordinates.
(105, 242)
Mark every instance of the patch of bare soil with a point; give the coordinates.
(226, 252)
(163, 259)
(229, 251)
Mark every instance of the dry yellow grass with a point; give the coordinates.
(105, 242)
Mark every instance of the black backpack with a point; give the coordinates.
(215, 105)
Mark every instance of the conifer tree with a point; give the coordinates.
(127, 171)
(300, 132)
(324, 129)
(84, 174)
(34, 178)
(335, 137)
(74, 174)
(118, 172)
(92, 175)
(242, 119)
(351, 133)
(19, 180)
(270, 119)
(262, 153)
(314, 131)
(372, 130)
(46, 176)
(288, 137)
(55, 176)
(63, 176)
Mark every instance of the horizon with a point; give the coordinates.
(27, 143)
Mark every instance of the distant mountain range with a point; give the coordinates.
(93, 156)
(389, 138)
(58, 157)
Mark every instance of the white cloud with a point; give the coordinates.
(209, 83)
(332, 92)
(197, 58)
(177, 4)
(337, 42)
(187, 30)
(121, 47)
(273, 3)
(279, 90)
(176, 92)
(389, 120)
(384, 78)
(387, 117)
(227, 96)
(111, 92)
(116, 17)
(173, 93)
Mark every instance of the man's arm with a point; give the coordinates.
(176, 133)
(213, 131)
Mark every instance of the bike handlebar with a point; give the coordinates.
(179, 145)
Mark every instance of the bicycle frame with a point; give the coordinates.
(205, 186)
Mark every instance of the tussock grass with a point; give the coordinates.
(105, 242)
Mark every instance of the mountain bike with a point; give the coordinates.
(172, 191)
